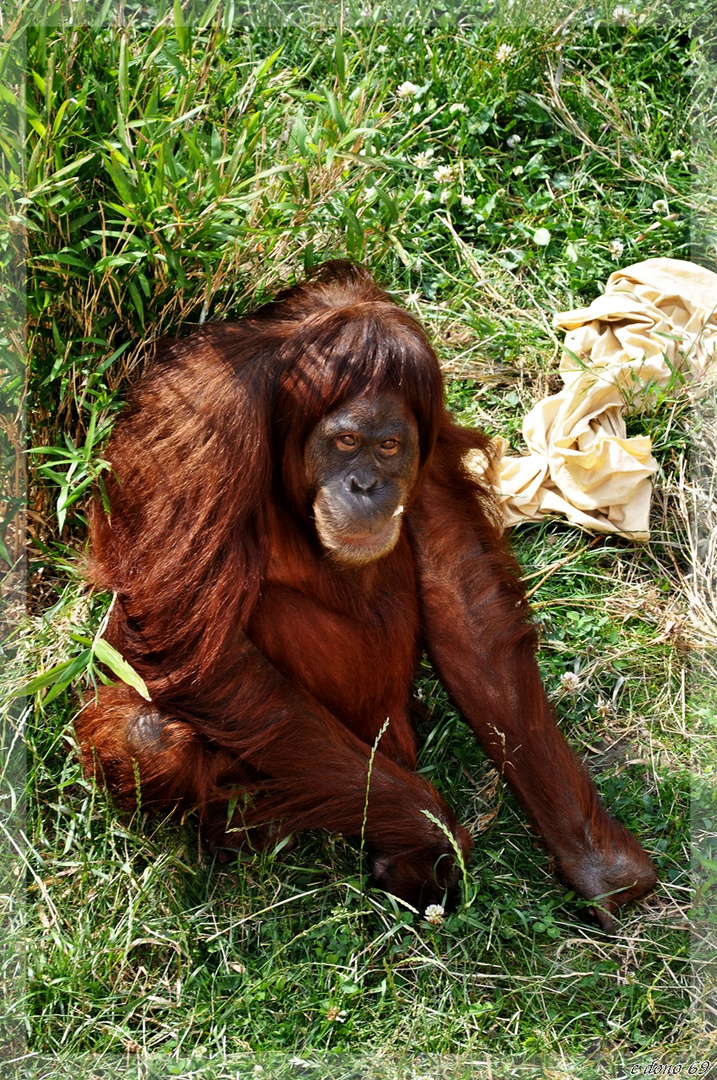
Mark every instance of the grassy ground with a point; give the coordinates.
(176, 172)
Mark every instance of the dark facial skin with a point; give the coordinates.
(361, 465)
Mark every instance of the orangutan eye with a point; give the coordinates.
(389, 446)
(346, 442)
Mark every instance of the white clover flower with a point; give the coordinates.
(604, 709)
(458, 107)
(444, 174)
(336, 1015)
(434, 914)
(512, 141)
(423, 160)
(417, 265)
(445, 195)
(541, 237)
(467, 201)
(504, 54)
(518, 170)
(677, 155)
(569, 681)
(407, 90)
(615, 248)
(381, 49)
(621, 15)
(660, 206)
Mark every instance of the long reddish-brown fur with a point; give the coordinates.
(271, 670)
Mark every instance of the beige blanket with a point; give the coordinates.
(654, 328)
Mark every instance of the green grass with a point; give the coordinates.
(175, 173)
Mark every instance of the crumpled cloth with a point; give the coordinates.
(654, 327)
